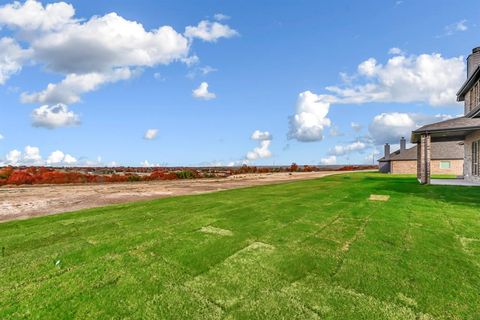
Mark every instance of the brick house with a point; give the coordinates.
(465, 129)
(446, 158)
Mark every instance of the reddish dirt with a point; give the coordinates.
(28, 201)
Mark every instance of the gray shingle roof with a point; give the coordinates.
(440, 151)
(452, 124)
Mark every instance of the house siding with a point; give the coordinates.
(404, 167)
(467, 102)
(456, 167)
(410, 167)
(468, 156)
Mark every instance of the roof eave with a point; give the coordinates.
(447, 129)
(416, 134)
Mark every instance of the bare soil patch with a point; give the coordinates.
(218, 231)
(29, 201)
(378, 197)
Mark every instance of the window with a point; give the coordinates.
(475, 158)
(445, 164)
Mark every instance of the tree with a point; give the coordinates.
(293, 167)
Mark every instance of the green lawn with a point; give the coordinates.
(310, 249)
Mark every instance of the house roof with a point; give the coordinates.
(457, 127)
(439, 151)
(451, 124)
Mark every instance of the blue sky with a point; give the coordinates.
(263, 59)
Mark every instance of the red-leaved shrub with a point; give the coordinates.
(20, 177)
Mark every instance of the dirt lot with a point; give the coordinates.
(29, 201)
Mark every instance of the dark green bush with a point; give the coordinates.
(185, 174)
(134, 178)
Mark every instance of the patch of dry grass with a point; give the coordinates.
(378, 197)
(218, 231)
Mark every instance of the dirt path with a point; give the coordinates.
(30, 201)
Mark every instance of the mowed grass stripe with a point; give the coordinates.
(309, 249)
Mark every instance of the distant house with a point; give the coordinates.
(464, 129)
(446, 158)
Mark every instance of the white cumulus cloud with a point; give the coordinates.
(202, 92)
(100, 44)
(103, 43)
(32, 155)
(262, 151)
(261, 135)
(150, 134)
(340, 150)
(68, 159)
(13, 157)
(330, 160)
(54, 116)
(33, 16)
(11, 58)
(90, 52)
(59, 158)
(69, 90)
(210, 31)
(426, 78)
(310, 118)
(390, 127)
(147, 164)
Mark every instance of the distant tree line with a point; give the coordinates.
(46, 175)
